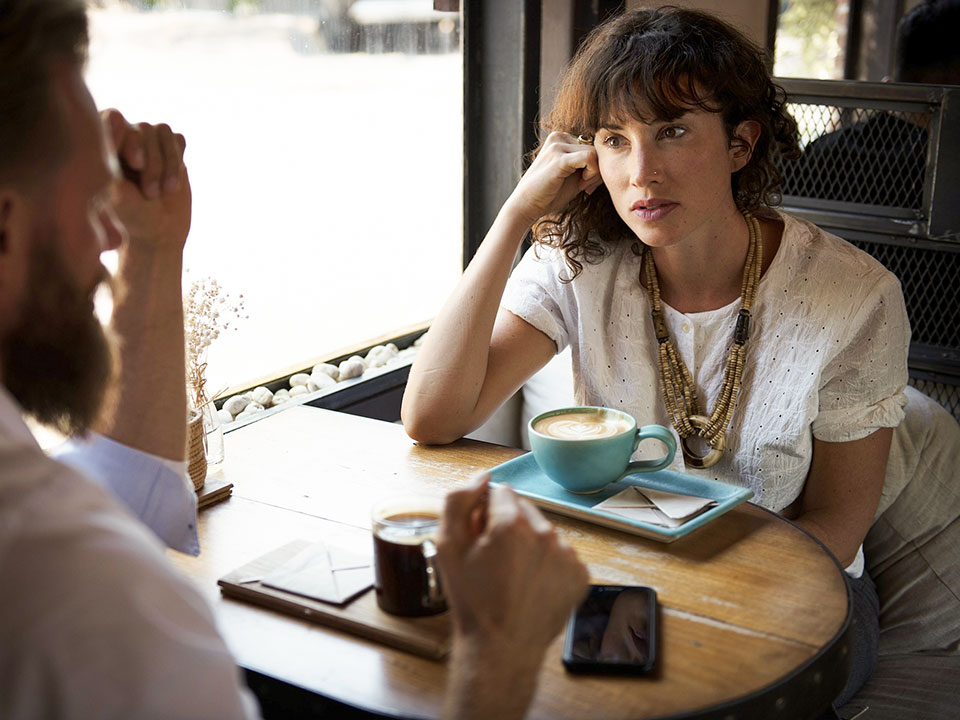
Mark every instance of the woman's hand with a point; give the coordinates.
(563, 169)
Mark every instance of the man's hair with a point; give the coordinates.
(33, 35)
(927, 49)
(664, 63)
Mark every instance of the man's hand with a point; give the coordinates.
(153, 201)
(154, 198)
(510, 583)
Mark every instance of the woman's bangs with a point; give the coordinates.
(648, 95)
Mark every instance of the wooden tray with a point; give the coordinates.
(427, 636)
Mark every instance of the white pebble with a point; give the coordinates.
(224, 416)
(262, 395)
(298, 390)
(381, 355)
(351, 368)
(322, 380)
(281, 396)
(326, 369)
(299, 379)
(236, 404)
(250, 410)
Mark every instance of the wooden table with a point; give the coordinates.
(754, 619)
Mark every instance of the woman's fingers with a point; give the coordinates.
(572, 156)
(562, 170)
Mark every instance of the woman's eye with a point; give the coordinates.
(672, 132)
(613, 141)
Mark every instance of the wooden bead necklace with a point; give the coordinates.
(676, 383)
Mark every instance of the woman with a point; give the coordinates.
(776, 351)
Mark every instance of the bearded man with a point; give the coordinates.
(94, 623)
(93, 620)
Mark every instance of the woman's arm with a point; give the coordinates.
(843, 491)
(475, 357)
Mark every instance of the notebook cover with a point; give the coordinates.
(426, 636)
(213, 491)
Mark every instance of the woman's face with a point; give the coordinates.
(670, 180)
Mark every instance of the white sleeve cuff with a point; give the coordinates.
(155, 489)
(848, 424)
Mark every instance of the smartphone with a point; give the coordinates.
(613, 631)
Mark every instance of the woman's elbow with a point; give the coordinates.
(427, 428)
(426, 432)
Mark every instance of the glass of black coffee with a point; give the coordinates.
(404, 547)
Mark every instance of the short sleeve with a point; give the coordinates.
(535, 293)
(862, 386)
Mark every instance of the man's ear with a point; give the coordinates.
(5, 211)
(15, 226)
(13, 251)
(15, 214)
(745, 136)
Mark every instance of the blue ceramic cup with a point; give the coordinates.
(584, 449)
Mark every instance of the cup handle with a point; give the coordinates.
(658, 432)
(434, 593)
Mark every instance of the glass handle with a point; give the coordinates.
(434, 592)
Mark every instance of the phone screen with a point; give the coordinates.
(613, 630)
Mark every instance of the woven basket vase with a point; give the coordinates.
(196, 453)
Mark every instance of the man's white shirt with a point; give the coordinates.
(94, 621)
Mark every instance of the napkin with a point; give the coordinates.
(655, 506)
(323, 572)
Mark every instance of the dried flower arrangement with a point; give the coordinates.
(207, 312)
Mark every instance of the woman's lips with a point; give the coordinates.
(652, 210)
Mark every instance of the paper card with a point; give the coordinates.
(654, 506)
(323, 572)
(629, 498)
(677, 506)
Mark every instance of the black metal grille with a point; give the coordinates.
(859, 155)
(862, 174)
(929, 279)
(945, 394)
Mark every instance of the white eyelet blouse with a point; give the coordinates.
(826, 358)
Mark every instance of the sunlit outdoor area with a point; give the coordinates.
(811, 35)
(325, 157)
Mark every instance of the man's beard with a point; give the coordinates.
(58, 361)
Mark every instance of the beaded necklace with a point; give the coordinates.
(676, 384)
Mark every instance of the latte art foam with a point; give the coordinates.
(582, 426)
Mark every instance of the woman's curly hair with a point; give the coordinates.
(664, 62)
